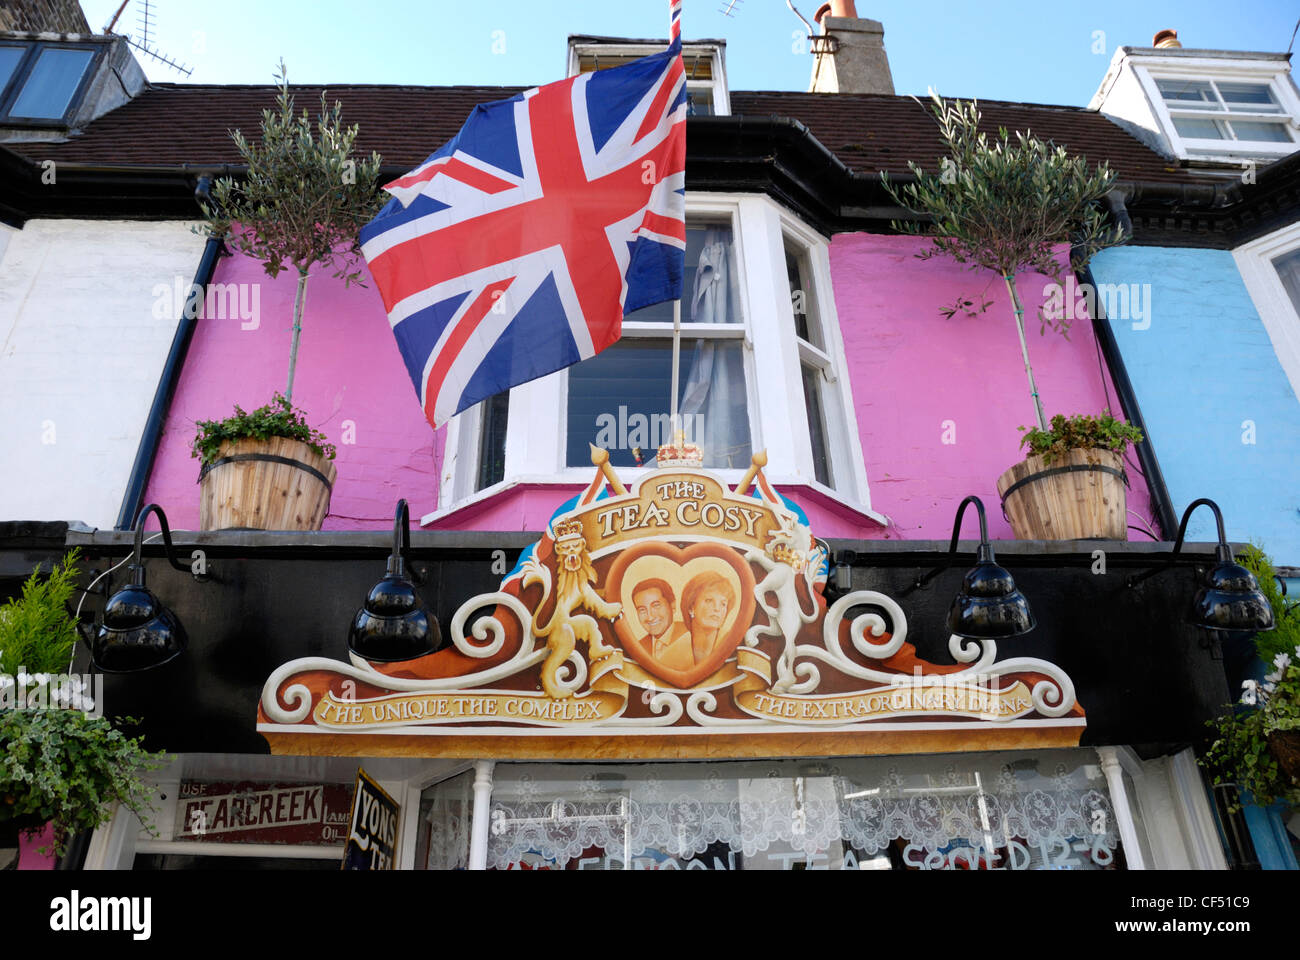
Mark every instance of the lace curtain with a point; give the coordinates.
(445, 815)
(1015, 811)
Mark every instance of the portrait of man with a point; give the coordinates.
(667, 638)
(707, 599)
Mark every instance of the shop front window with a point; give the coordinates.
(1040, 811)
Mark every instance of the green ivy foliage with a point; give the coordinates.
(279, 418)
(35, 629)
(1285, 637)
(1080, 432)
(1240, 752)
(65, 767)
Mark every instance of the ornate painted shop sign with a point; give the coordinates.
(680, 618)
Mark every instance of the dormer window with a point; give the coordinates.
(1216, 110)
(42, 82)
(705, 62)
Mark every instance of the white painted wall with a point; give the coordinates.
(81, 351)
(1123, 99)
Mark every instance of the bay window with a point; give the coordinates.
(762, 367)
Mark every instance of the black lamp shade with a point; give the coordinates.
(138, 633)
(988, 606)
(393, 624)
(1229, 598)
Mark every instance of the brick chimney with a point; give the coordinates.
(41, 16)
(854, 60)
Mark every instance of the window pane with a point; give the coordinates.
(812, 397)
(10, 57)
(802, 302)
(710, 285)
(699, 103)
(51, 84)
(1249, 97)
(1288, 269)
(1258, 130)
(1188, 93)
(1200, 129)
(619, 400)
(492, 440)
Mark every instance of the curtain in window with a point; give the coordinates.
(713, 404)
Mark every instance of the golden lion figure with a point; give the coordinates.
(574, 591)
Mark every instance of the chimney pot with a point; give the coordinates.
(1166, 38)
(836, 8)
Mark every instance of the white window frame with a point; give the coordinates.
(536, 438)
(1272, 302)
(716, 52)
(1264, 72)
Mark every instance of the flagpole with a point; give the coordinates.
(677, 360)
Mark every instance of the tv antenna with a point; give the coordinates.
(817, 42)
(145, 24)
(728, 10)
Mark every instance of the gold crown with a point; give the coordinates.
(568, 530)
(795, 558)
(680, 454)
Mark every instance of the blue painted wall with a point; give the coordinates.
(1201, 369)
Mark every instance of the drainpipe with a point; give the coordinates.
(171, 374)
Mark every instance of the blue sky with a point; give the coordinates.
(994, 50)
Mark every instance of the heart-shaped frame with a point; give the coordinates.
(676, 565)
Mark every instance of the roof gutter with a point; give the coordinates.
(147, 452)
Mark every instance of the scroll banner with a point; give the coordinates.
(680, 605)
(606, 698)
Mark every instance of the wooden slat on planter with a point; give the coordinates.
(266, 495)
(1067, 506)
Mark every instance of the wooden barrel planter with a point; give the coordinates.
(272, 484)
(1080, 496)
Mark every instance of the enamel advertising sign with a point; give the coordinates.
(680, 618)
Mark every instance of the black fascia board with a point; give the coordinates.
(775, 155)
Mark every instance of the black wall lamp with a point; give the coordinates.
(1228, 597)
(394, 623)
(138, 632)
(988, 606)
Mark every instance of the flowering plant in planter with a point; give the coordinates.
(1257, 745)
(1080, 432)
(58, 763)
(279, 418)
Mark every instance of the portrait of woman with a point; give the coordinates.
(706, 601)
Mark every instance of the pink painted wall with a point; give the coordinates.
(912, 369)
(349, 368)
(29, 855)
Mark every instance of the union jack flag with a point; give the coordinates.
(516, 248)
